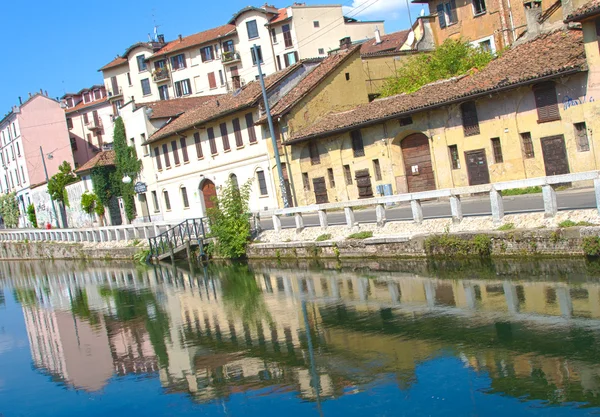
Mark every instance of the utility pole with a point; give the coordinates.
(51, 200)
(284, 195)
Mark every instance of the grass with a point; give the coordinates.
(507, 226)
(521, 191)
(361, 235)
(571, 223)
(323, 237)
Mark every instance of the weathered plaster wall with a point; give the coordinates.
(54, 250)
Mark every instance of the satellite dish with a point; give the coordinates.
(411, 38)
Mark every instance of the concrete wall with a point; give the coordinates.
(49, 250)
(379, 68)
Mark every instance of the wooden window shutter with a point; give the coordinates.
(250, 127)
(598, 31)
(175, 153)
(166, 155)
(237, 133)
(157, 157)
(224, 136)
(184, 151)
(296, 56)
(198, 145)
(286, 60)
(211, 140)
(357, 143)
(453, 12)
(212, 81)
(470, 120)
(441, 15)
(546, 102)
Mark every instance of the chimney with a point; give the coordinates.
(46, 93)
(20, 100)
(41, 91)
(345, 43)
(29, 95)
(377, 36)
(161, 38)
(180, 38)
(533, 13)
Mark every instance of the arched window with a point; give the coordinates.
(262, 183)
(184, 197)
(234, 181)
(167, 201)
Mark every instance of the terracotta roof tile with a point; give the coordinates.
(589, 9)
(169, 108)
(389, 42)
(81, 105)
(114, 63)
(281, 16)
(195, 39)
(549, 55)
(104, 158)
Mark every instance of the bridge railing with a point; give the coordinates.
(453, 194)
(188, 230)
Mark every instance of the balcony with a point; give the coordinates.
(94, 125)
(114, 93)
(229, 57)
(161, 74)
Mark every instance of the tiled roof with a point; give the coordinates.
(114, 63)
(311, 81)
(389, 42)
(81, 105)
(281, 16)
(169, 108)
(589, 9)
(219, 106)
(104, 158)
(559, 52)
(195, 39)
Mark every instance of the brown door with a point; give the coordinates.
(363, 182)
(417, 162)
(555, 155)
(210, 193)
(320, 190)
(477, 167)
(115, 85)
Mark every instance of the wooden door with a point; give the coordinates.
(210, 193)
(477, 167)
(363, 182)
(320, 190)
(417, 163)
(555, 155)
(115, 85)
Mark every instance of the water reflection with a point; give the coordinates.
(519, 329)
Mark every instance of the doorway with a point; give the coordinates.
(209, 193)
(320, 190)
(555, 155)
(477, 167)
(417, 163)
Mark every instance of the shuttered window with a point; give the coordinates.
(184, 150)
(237, 132)
(441, 15)
(157, 158)
(198, 145)
(211, 140)
(166, 154)
(207, 53)
(313, 149)
(469, 118)
(546, 102)
(527, 145)
(175, 153)
(357, 143)
(497, 148)
(212, 81)
(223, 128)
(250, 127)
(287, 36)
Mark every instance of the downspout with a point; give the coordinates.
(503, 23)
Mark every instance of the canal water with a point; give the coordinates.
(411, 338)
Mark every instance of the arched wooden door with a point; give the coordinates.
(209, 192)
(417, 163)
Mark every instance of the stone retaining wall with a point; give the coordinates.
(59, 250)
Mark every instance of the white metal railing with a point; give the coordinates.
(92, 234)
(454, 195)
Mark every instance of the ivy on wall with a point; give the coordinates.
(9, 210)
(127, 164)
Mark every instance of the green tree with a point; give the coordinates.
(127, 163)
(9, 209)
(90, 203)
(31, 215)
(453, 57)
(229, 222)
(59, 181)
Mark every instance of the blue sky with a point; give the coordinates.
(59, 46)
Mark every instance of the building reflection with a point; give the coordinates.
(319, 334)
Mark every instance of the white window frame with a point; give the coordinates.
(476, 43)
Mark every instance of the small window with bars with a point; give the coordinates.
(331, 177)
(470, 120)
(377, 169)
(313, 149)
(305, 181)
(454, 158)
(583, 144)
(348, 174)
(497, 148)
(527, 145)
(358, 146)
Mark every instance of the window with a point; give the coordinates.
(305, 181)
(316, 24)
(447, 13)
(12, 149)
(183, 88)
(165, 149)
(290, 58)
(129, 79)
(73, 147)
(313, 150)
(287, 36)
(184, 151)
(237, 133)
(321, 51)
(175, 153)
(228, 46)
(184, 198)
(250, 127)
(546, 102)
(405, 121)
(19, 149)
(167, 201)
(252, 28)
(97, 95)
(331, 177)
(163, 92)
(347, 76)
(469, 118)
(357, 143)
(155, 201)
(348, 174)
(454, 158)
(70, 123)
(262, 184)
(377, 169)
(223, 128)
(198, 145)
(85, 118)
(478, 7)
(278, 63)
(178, 62)
(221, 78)
(69, 105)
(23, 174)
(273, 36)
(141, 62)
(212, 81)
(497, 148)
(256, 52)
(146, 87)
(527, 145)
(211, 140)
(207, 53)
(486, 46)
(583, 145)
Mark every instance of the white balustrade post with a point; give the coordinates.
(550, 204)
(299, 222)
(349, 213)
(276, 223)
(417, 211)
(597, 190)
(497, 205)
(380, 213)
(323, 219)
(456, 208)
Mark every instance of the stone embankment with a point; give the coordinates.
(25, 250)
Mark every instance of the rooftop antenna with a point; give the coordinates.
(155, 26)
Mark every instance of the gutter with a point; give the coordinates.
(432, 107)
(579, 18)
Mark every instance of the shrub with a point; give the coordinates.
(323, 237)
(90, 203)
(521, 191)
(361, 235)
(446, 245)
(141, 256)
(591, 246)
(571, 223)
(31, 215)
(59, 181)
(507, 226)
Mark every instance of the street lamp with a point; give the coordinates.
(126, 179)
